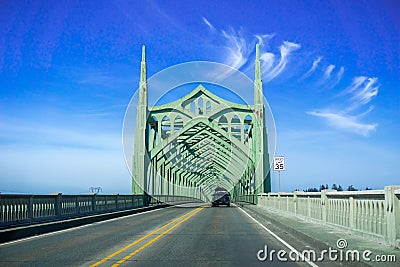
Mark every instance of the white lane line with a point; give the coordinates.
(76, 228)
(280, 239)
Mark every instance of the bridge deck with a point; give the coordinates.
(185, 236)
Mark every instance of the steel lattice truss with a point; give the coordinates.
(199, 142)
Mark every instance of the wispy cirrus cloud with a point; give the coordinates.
(239, 49)
(339, 75)
(313, 67)
(330, 77)
(208, 24)
(263, 39)
(328, 72)
(337, 78)
(349, 117)
(360, 93)
(285, 50)
(267, 61)
(345, 122)
(362, 90)
(236, 47)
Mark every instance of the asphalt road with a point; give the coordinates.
(176, 236)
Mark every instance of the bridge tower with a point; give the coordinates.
(140, 158)
(261, 147)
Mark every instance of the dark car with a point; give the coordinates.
(221, 197)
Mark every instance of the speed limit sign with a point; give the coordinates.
(279, 163)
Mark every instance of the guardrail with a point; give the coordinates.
(16, 208)
(372, 213)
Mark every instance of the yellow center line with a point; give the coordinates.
(144, 237)
(155, 239)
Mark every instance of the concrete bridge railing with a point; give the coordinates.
(18, 208)
(373, 213)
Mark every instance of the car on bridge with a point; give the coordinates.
(221, 197)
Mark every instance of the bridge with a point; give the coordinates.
(183, 150)
(199, 142)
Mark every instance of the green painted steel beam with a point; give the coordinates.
(201, 148)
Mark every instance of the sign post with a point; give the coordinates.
(279, 165)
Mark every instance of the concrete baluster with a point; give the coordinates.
(351, 213)
(370, 214)
(30, 207)
(77, 204)
(287, 203)
(57, 204)
(295, 203)
(324, 203)
(94, 202)
(116, 201)
(392, 209)
(279, 201)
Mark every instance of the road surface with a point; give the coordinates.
(176, 236)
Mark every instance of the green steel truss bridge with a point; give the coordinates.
(201, 141)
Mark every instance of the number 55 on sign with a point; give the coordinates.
(279, 163)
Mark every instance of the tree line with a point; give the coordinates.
(334, 187)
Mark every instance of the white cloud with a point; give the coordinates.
(208, 23)
(345, 122)
(267, 61)
(263, 39)
(238, 49)
(362, 90)
(362, 114)
(328, 72)
(339, 75)
(337, 79)
(313, 68)
(357, 82)
(285, 49)
(329, 79)
(369, 91)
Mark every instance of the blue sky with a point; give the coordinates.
(68, 70)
